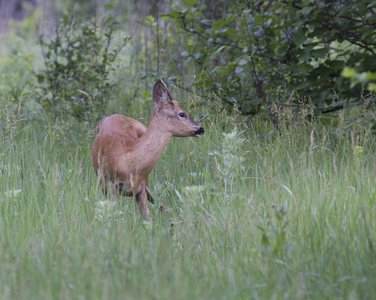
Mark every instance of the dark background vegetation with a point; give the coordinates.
(256, 56)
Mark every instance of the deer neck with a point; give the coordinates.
(152, 144)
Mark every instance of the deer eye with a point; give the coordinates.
(182, 115)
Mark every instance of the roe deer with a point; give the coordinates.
(125, 151)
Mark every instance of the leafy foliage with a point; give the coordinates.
(78, 61)
(366, 78)
(256, 53)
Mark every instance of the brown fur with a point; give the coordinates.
(125, 151)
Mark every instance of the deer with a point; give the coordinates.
(125, 151)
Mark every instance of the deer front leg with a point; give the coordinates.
(142, 201)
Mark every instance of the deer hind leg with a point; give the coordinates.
(150, 198)
(107, 185)
(142, 201)
(102, 181)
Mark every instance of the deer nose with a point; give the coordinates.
(199, 132)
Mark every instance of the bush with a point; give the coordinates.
(78, 61)
(255, 54)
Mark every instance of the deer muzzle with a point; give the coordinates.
(199, 132)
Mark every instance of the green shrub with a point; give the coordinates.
(78, 61)
(255, 54)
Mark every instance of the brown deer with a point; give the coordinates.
(125, 151)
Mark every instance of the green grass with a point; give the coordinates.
(289, 217)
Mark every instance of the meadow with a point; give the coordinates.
(257, 213)
(289, 217)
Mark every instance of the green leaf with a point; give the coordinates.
(175, 14)
(322, 71)
(362, 8)
(222, 30)
(302, 86)
(197, 55)
(372, 87)
(238, 70)
(302, 69)
(218, 25)
(349, 72)
(109, 6)
(219, 50)
(299, 36)
(306, 10)
(259, 20)
(242, 62)
(166, 17)
(206, 22)
(319, 53)
(336, 65)
(229, 19)
(256, 101)
(370, 76)
(149, 19)
(259, 33)
(190, 2)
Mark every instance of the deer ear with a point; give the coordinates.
(160, 93)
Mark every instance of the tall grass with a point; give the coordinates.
(287, 216)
